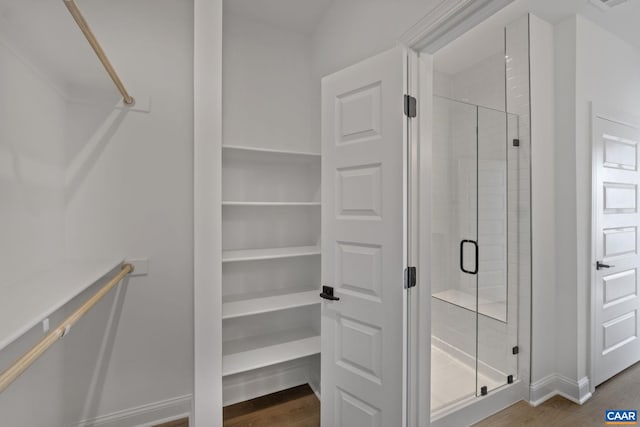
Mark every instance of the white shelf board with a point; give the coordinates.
(268, 302)
(233, 203)
(258, 352)
(276, 152)
(270, 253)
(26, 303)
(494, 309)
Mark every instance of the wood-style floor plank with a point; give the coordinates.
(299, 407)
(184, 422)
(620, 392)
(295, 407)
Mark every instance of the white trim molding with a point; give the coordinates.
(448, 20)
(556, 384)
(143, 416)
(207, 161)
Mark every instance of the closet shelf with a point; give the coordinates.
(27, 302)
(270, 253)
(301, 155)
(233, 203)
(258, 352)
(268, 302)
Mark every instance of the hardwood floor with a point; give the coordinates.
(177, 423)
(299, 407)
(620, 392)
(296, 407)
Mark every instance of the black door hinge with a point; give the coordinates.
(409, 277)
(483, 390)
(510, 379)
(410, 106)
(516, 142)
(515, 350)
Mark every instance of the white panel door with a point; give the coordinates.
(363, 149)
(617, 222)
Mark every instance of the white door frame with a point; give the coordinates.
(443, 24)
(611, 114)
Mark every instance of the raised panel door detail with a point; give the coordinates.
(352, 412)
(620, 153)
(359, 349)
(359, 270)
(359, 191)
(620, 198)
(619, 331)
(359, 115)
(619, 287)
(619, 241)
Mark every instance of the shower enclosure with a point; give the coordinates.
(475, 252)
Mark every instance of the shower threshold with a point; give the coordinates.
(454, 381)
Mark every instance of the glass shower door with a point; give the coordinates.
(454, 267)
(475, 258)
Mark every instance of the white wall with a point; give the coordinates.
(268, 86)
(352, 30)
(32, 135)
(136, 199)
(543, 192)
(87, 181)
(595, 66)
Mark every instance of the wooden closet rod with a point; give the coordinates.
(91, 38)
(30, 357)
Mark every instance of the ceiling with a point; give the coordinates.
(622, 20)
(301, 16)
(487, 39)
(45, 34)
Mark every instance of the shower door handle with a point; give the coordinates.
(475, 244)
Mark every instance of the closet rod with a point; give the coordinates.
(91, 38)
(30, 357)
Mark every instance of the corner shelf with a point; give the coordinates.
(267, 204)
(239, 149)
(258, 352)
(26, 303)
(268, 302)
(270, 253)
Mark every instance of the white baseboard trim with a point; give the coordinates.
(556, 384)
(144, 415)
(260, 382)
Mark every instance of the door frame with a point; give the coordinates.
(598, 111)
(447, 21)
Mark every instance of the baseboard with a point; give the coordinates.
(556, 384)
(143, 416)
(246, 386)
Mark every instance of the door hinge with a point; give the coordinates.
(515, 350)
(483, 390)
(510, 379)
(409, 277)
(516, 142)
(410, 106)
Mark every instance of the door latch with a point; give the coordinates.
(327, 293)
(600, 266)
